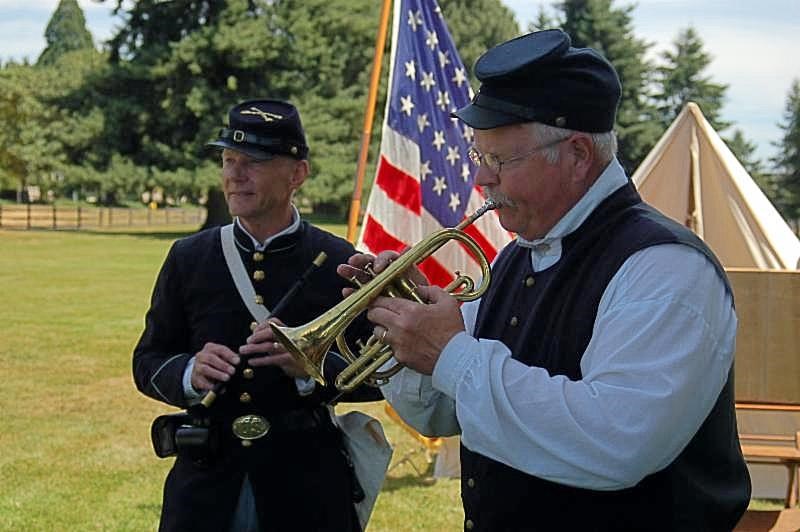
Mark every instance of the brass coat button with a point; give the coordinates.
(469, 525)
(248, 373)
(471, 482)
(514, 321)
(245, 398)
(258, 256)
(529, 281)
(258, 275)
(259, 300)
(246, 443)
(253, 325)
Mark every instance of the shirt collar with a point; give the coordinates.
(261, 246)
(547, 250)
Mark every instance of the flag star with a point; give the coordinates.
(452, 155)
(455, 201)
(438, 10)
(439, 185)
(443, 100)
(443, 59)
(433, 40)
(470, 93)
(465, 172)
(422, 122)
(460, 77)
(414, 19)
(427, 81)
(438, 140)
(407, 104)
(424, 170)
(467, 134)
(411, 69)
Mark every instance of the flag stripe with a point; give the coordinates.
(398, 185)
(379, 239)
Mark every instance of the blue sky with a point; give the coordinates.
(752, 44)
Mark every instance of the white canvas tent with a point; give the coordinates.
(694, 178)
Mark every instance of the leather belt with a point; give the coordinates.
(251, 427)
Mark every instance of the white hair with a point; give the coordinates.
(605, 144)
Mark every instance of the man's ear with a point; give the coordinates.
(301, 170)
(582, 155)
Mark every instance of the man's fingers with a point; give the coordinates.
(360, 260)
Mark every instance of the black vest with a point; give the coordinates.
(546, 320)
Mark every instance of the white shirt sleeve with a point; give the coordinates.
(660, 352)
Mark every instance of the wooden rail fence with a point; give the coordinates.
(30, 216)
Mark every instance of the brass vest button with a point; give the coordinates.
(514, 321)
(469, 525)
(245, 398)
(246, 443)
(258, 256)
(529, 281)
(253, 325)
(471, 482)
(259, 300)
(258, 275)
(248, 373)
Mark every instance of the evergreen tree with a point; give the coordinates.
(787, 161)
(599, 25)
(178, 66)
(66, 32)
(680, 80)
(476, 26)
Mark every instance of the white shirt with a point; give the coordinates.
(661, 348)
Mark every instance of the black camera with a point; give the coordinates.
(184, 433)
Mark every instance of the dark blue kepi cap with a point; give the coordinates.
(540, 77)
(263, 129)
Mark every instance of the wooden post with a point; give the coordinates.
(55, 218)
(369, 113)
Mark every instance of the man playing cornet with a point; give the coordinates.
(592, 383)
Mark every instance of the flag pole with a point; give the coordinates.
(369, 113)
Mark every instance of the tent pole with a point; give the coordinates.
(696, 189)
(369, 113)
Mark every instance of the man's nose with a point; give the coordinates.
(484, 176)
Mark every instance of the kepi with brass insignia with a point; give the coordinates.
(263, 129)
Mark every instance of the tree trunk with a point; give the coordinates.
(217, 209)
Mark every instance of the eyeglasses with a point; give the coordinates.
(495, 164)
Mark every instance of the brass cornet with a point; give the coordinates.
(310, 343)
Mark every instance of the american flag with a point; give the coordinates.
(424, 179)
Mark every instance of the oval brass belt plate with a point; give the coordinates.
(250, 427)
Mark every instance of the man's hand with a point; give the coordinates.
(274, 354)
(417, 332)
(212, 364)
(356, 268)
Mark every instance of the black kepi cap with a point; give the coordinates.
(540, 77)
(263, 129)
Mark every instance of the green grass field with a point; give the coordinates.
(74, 440)
(75, 452)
